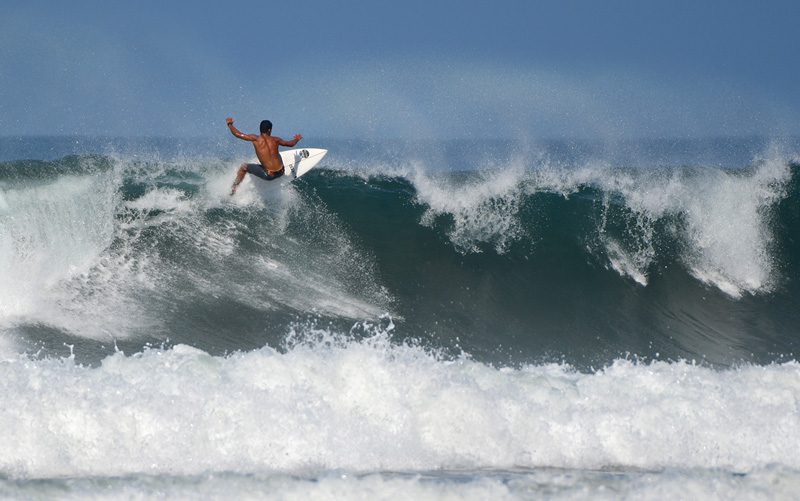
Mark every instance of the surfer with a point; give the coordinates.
(266, 145)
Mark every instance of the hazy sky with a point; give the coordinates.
(605, 69)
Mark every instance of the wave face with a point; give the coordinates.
(489, 323)
(515, 262)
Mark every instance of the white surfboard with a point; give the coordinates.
(296, 162)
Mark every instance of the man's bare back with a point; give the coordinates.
(267, 152)
(266, 146)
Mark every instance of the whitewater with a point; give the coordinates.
(515, 322)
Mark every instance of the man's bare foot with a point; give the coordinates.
(233, 189)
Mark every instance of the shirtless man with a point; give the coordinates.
(266, 146)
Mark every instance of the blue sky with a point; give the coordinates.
(596, 69)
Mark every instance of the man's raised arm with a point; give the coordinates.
(292, 142)
(236, 132)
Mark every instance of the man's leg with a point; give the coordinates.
(239, 177)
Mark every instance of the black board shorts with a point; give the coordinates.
(260, 171)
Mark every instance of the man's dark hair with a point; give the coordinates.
(266, 126)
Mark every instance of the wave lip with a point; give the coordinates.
(48, 234)
(720, 220)
(483, 210)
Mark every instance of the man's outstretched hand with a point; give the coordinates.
(229, 121)
(297, 137)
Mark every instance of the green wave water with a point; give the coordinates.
(516, 263)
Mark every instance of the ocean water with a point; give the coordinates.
(453, 320)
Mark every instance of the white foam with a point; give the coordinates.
(8, 348)
(49, 233)
(164, 199)
(485, 209)
(728, 230)
(625, 264)
(372, 406)
(725, 214)
(74, 256)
